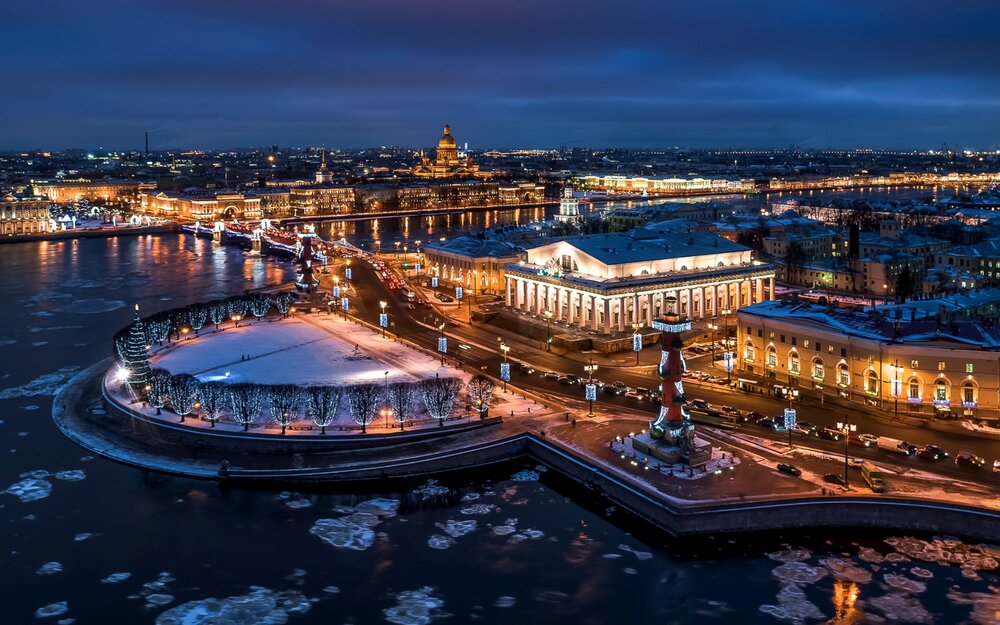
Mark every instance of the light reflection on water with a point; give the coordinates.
(560, 561)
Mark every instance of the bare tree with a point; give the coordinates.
(184, 393)
(214, 398)
(439, 395)
(480, 389)
(159, 388)
(247, 402)
(363, 401)
(323, 403)
(284, 401)
(403, 401)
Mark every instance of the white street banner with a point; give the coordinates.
(636, 342)
(505, 371)
(383, 320)
(347, 273)
(789, 418)
(458, 292)
(343, 303)
(591, 391)
(336, 291)
(443, 344)
(728, 359)
(434, 282)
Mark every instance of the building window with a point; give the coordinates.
(968, 367)
(871, 383)
(940, 365)
(772, 357)
(794, 341)
(793, 363)
(829, 349)
(843, 375)
(913, 364)
(843, 352)
(941, 390)
(968, 394)
(914, 390)
(770, 334)
(749, 353)
(818, 372)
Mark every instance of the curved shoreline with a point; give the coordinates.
(485, 446)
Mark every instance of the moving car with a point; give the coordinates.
(931, 452)
(871, 439)
(550, 375)
(830, 434)
(569, 378)
(524, 367)
(767, 422)
(859, 440)
(895, 446)
(805, 426)
(969, 459)
(788, 469)
(873, 477)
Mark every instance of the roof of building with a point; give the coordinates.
(649, 244)
(474, 247)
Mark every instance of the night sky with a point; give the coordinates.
(506, 73)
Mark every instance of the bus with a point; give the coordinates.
(873, 476)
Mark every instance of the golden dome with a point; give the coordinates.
(446, 138)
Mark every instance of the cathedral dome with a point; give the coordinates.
(446, 139)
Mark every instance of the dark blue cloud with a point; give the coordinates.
(515, 73)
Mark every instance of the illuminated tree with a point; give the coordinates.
(121, 347)
(217, 313)
(284, 402)
(214, 399)
(403, 401)
(184, 393)
(322, 403)
(363, 401)
(480, 389)
(237, 306)
(157, 330)
(259, 307)
(439, 395)
(197, 315)
(136, 359)
(159, 388)
(247, 403)
(282, 301)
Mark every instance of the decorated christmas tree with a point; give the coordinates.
(137, 355)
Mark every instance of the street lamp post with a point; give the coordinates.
(727, 356)
(591, 391)
(383, 321)
(897, 389)
(636, 341)
(442, 343)
(713, 327)
(548, 330)
(846, 428)
(505, 368)
(792, 394)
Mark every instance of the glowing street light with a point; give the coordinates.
(236, 321)
(846, 428)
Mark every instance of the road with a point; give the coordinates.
(476, 347)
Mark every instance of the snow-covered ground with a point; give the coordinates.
(320, 350)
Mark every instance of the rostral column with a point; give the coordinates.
(673, 424)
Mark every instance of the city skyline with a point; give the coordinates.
(732, 74)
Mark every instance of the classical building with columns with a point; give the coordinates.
(608, 282)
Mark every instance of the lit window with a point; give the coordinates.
(914, 364)
(871, 383)
(843, 375)
(968, 367)
(772, 357)
(941, 390)
(914, 392)
(793, 363)
(749, 353)
(818, 372)
(940, 365)
(969, 395)
(805, 343)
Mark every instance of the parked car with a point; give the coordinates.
(969, 459)
(834, 478)
(829, 434)
(931, 452)
(789, 469)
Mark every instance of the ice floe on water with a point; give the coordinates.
(902, 582)
(799, 573)
(870, 555)
(53, 328)
(49, 568)
(641, 555)
(526, 475)
(343, 533)
(294, 501)
(790, 555)
(71, 476)
(846, 571)
(91, 306)
(415, 607)
(157, 599)
(437, 541)
(30, 407)
(470, 497)
(455, 529)
(354, 531)
(82, 536)
(900, 608)
(331, 589)
(985, 606)
(53, 609)
(37, 474)
(7, 342)
(30, 489)
(431, 490)
(39, 343)
(478, 508)
(115, 578)
(528, 534)
(503, 530)
(47, 384)
(260, 605)
(505, 601)
(947, 551)
(793, 606)
(921, 573)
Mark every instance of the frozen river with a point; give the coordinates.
(89, 541)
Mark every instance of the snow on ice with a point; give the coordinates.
(260, 605)
(47, 384)
(415, 607)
